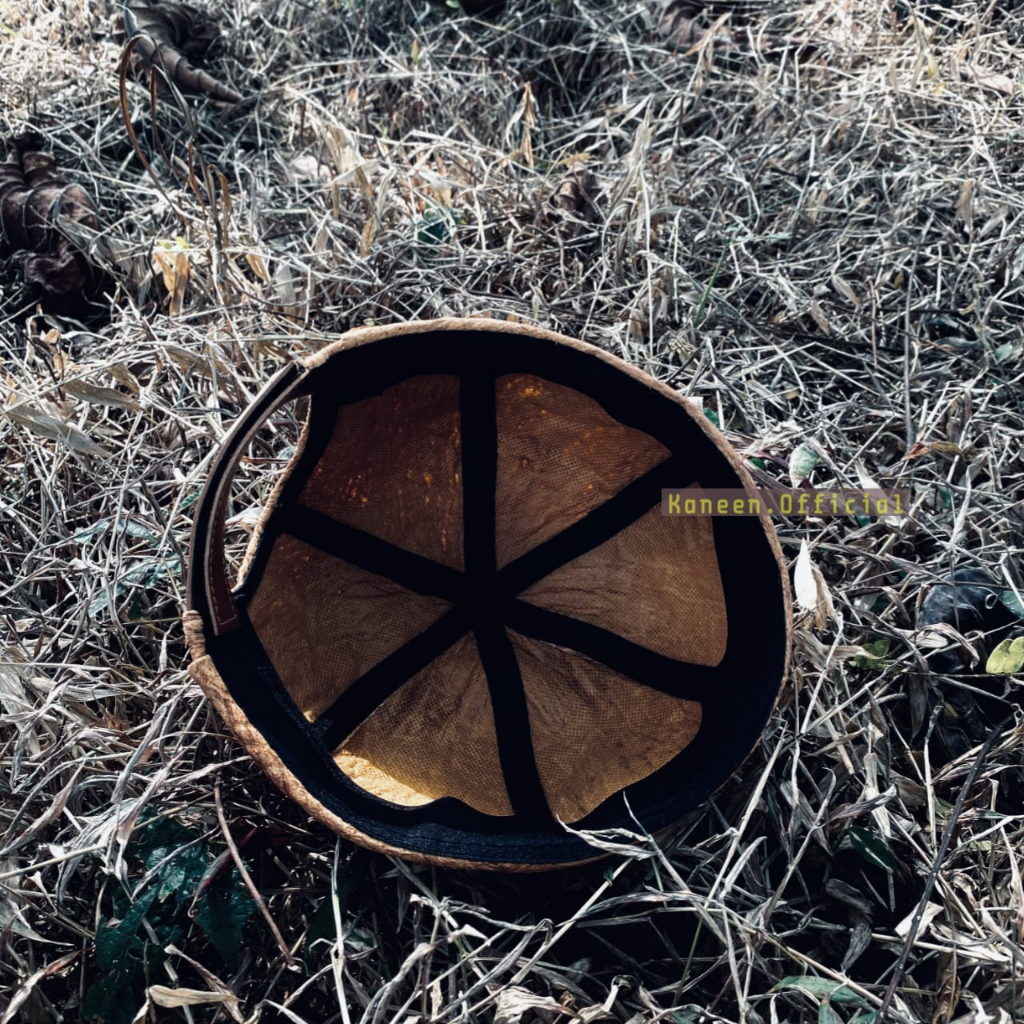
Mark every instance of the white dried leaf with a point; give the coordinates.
(171, 998)
(927, 916)
(844, 288)
(514, 1001)
(812, 593)
(868, 482)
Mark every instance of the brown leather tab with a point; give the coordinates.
(208, 590)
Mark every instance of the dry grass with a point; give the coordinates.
(827, 251)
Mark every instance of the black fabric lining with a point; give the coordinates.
(318, 436)
(373, 688)
(511, 723)
(478, 435)
(641, 664)
(367, 551)
(203, 525)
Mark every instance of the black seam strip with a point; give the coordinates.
(657, 671)
(511, 723)
(373, 688)
(364, 550)
(596, 527)
(478, 433)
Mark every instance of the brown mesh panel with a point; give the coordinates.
(586, 722)
(324, 622)
(432, 738)
(553, 440)
(656, 583)
(393, 467)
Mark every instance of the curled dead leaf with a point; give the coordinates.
(685, 23)
(34, 197)
(947, 449)
(166, 34)
(573, 200)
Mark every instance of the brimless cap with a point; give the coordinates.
(463, 621)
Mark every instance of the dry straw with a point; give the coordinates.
(826, 252)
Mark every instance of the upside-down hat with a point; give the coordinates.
(464, 622)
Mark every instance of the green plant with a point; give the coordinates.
(181, 875)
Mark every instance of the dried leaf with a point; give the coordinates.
(51, 427)
(573, 200)
(869, 483)
(946, 449)
(818, 316)
(34, 197)
(174, 267)
(812, 593)
(987, 79)
(171, 998)
(514, 1001)
(20, 997)
(844, 288)
(928, 915)
(99, 396)
(258, 266)
(165, 33)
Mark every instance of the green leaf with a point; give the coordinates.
(713, 416)
(1012, 603)
(869, 846)
(223, 908)
(146, 573)
(434, 227)
(826, 1015)
(802, 463)
(184, 860)
(759, 463)
(127, 527)
(1003, 352)
(877, 650)
(1007, 659)
(112, 997)
(822, 988)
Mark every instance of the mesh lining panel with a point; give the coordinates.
(656, 583)
(393, 467)
(433, 738)
(553, 440)
(585, 726)
(356, 617)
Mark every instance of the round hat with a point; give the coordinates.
(468, 628)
